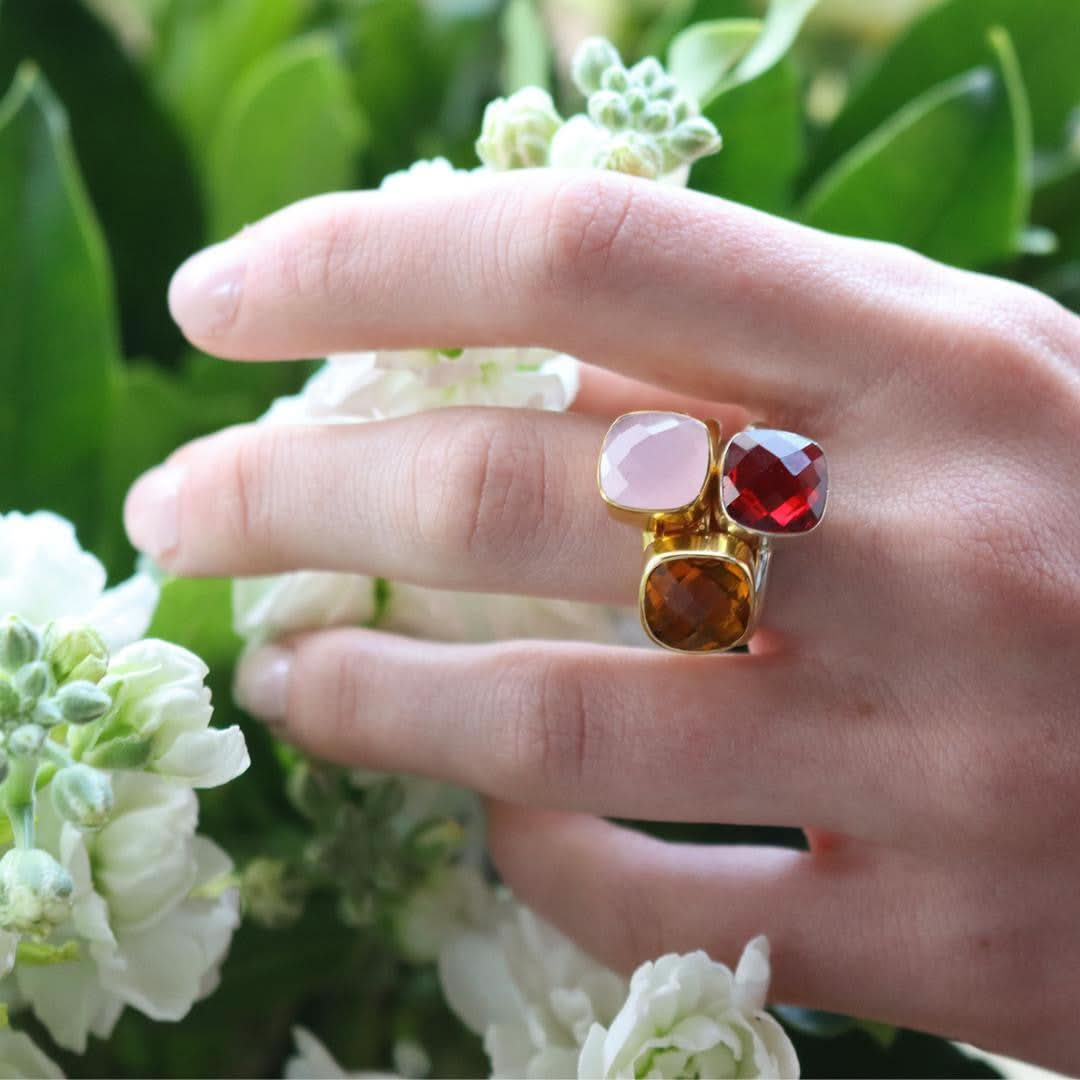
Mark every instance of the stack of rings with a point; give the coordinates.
(709, 516)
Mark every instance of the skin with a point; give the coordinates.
(912, 695)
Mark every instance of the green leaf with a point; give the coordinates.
(948, 40)
(757, 108)
(155, 412)
(949, 175)
(703, 56)
(287, 131)
(197, 614)
(134, 162)
(205, 46)
(59, 354)
(526, 47)
(762, 127)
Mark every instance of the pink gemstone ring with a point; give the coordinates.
(710, 517)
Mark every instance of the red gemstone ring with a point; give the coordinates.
(710, 516)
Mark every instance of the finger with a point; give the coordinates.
(492, 500)
(608, 394)
(590, 727)
(667, 285)
(835, 922)
(627, 898)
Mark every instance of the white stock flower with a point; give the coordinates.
(46, 575)
(355, 387)
(454, 900)
(517, 130)
(20, 1057)
(312, 1061)
(162, 715)
(530, 992)
(690, 1016)
(151, 915)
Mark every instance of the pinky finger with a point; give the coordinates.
(626, 897)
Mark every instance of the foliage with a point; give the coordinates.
(134, 132)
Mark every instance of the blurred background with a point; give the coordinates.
(134, 132)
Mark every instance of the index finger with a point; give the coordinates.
(706, 296)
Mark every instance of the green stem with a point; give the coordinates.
(18, 796)
(57, 753)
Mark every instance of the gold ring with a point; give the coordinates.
(709, 516)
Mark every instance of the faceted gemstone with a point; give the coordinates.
(774, 481)
(654, 461)
(696, 603)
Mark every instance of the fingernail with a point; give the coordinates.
(262, 683)
(151, 512)
(204, 294)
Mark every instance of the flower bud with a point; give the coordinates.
(615, 79)
(26, 740)
(35, 892)
(83, 796)
(34, 680)
(636, 101)
(517, 130)
(273, 895)
(10, 699)
(694, 138)
(19, 643)
(648, 71)
(657, 118)
(82, 702)
(609, 109)
(635, 155)
(592, 58)
(75, 651)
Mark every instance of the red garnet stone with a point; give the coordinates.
(774, 481)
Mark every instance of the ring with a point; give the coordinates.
(709, 517)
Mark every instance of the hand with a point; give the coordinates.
(913, 692)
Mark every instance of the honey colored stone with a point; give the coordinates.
(697, 603)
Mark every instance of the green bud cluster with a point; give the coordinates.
(363, 847)
(657, 128)
(49, 688)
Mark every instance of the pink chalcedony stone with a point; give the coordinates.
(654, 461)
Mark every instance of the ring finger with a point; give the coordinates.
(489, 500)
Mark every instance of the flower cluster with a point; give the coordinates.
(637, 121)
(108, 897)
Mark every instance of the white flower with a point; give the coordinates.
(455, 899)
(355, 387)
(150, 913)
(266, 608)
(270, 607)
(312, 1061)
(529, 991)
(46, 575)
(20, 1057)
(433, 174)
(690, 1016)
(161, 719)
(517, 130)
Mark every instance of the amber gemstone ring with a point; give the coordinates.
(709, 518)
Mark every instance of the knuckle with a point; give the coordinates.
(324, 715)
(247, 499)
(588, 222)
(315, 257)
(479, 487)
(550, 749)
